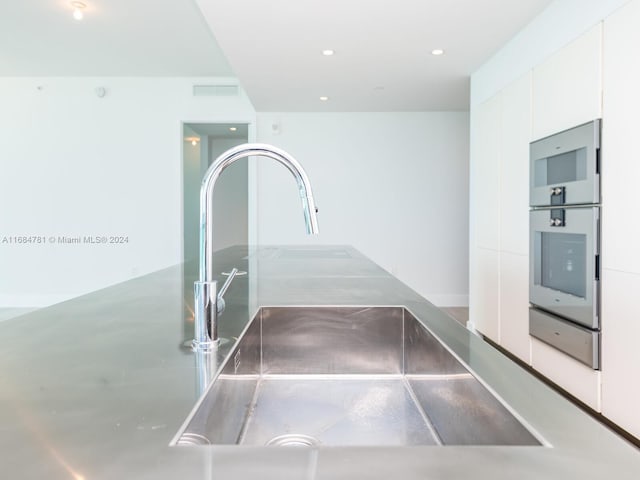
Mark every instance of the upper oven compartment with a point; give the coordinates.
(564, 168)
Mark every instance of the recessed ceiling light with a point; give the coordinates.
(233, 129)
(328, 52)
(78, 7)
(437, 52)
(324, 99)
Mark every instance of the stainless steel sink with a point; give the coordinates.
(347, 376)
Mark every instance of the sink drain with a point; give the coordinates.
(193, 439)
(293, 440)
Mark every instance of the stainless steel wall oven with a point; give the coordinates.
(564, 244)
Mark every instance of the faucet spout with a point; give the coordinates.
(206, 291)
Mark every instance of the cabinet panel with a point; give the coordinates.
(576, 378)
(620, 165)
(620, 352)
(567, 86)
(486, 314)
(514, 167)
(485, 171)
(514, 305)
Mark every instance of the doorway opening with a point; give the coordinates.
(202, 144)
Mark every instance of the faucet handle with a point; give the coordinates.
(221, 304)
(232, 275)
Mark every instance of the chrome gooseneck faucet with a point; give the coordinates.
(208, 302)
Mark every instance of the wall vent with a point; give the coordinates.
(215, 90)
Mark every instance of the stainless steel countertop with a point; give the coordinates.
(96, 387)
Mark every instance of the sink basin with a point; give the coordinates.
(346, 376)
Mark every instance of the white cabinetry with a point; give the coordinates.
(620, 220)
(576, 378)
(514, 217)
(500, 179)
(621, 128)
(486, 315)
(514, 166)
(595, 76)
(620, 352)
(514, 305)
(486, 172)
(567, 86)
(485, 218)
(562, 92)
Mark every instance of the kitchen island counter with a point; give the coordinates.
(97, 387)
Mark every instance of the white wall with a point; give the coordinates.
(394, 185)
(74, 164)
(560, 23)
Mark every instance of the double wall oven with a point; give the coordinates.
(564, 244)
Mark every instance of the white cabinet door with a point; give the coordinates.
(514, 166)
(485, 315)
(514, 218)
(620, 353)
(620, 221)
(485, 175)
(485, 218)
(567, 87)
(576, 378)
(499, 206)
(620, 129)
(514, 305)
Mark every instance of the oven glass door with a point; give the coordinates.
(564, 255)
(563, 262)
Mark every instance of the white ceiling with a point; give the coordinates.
(382, 60)
(115, 38)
